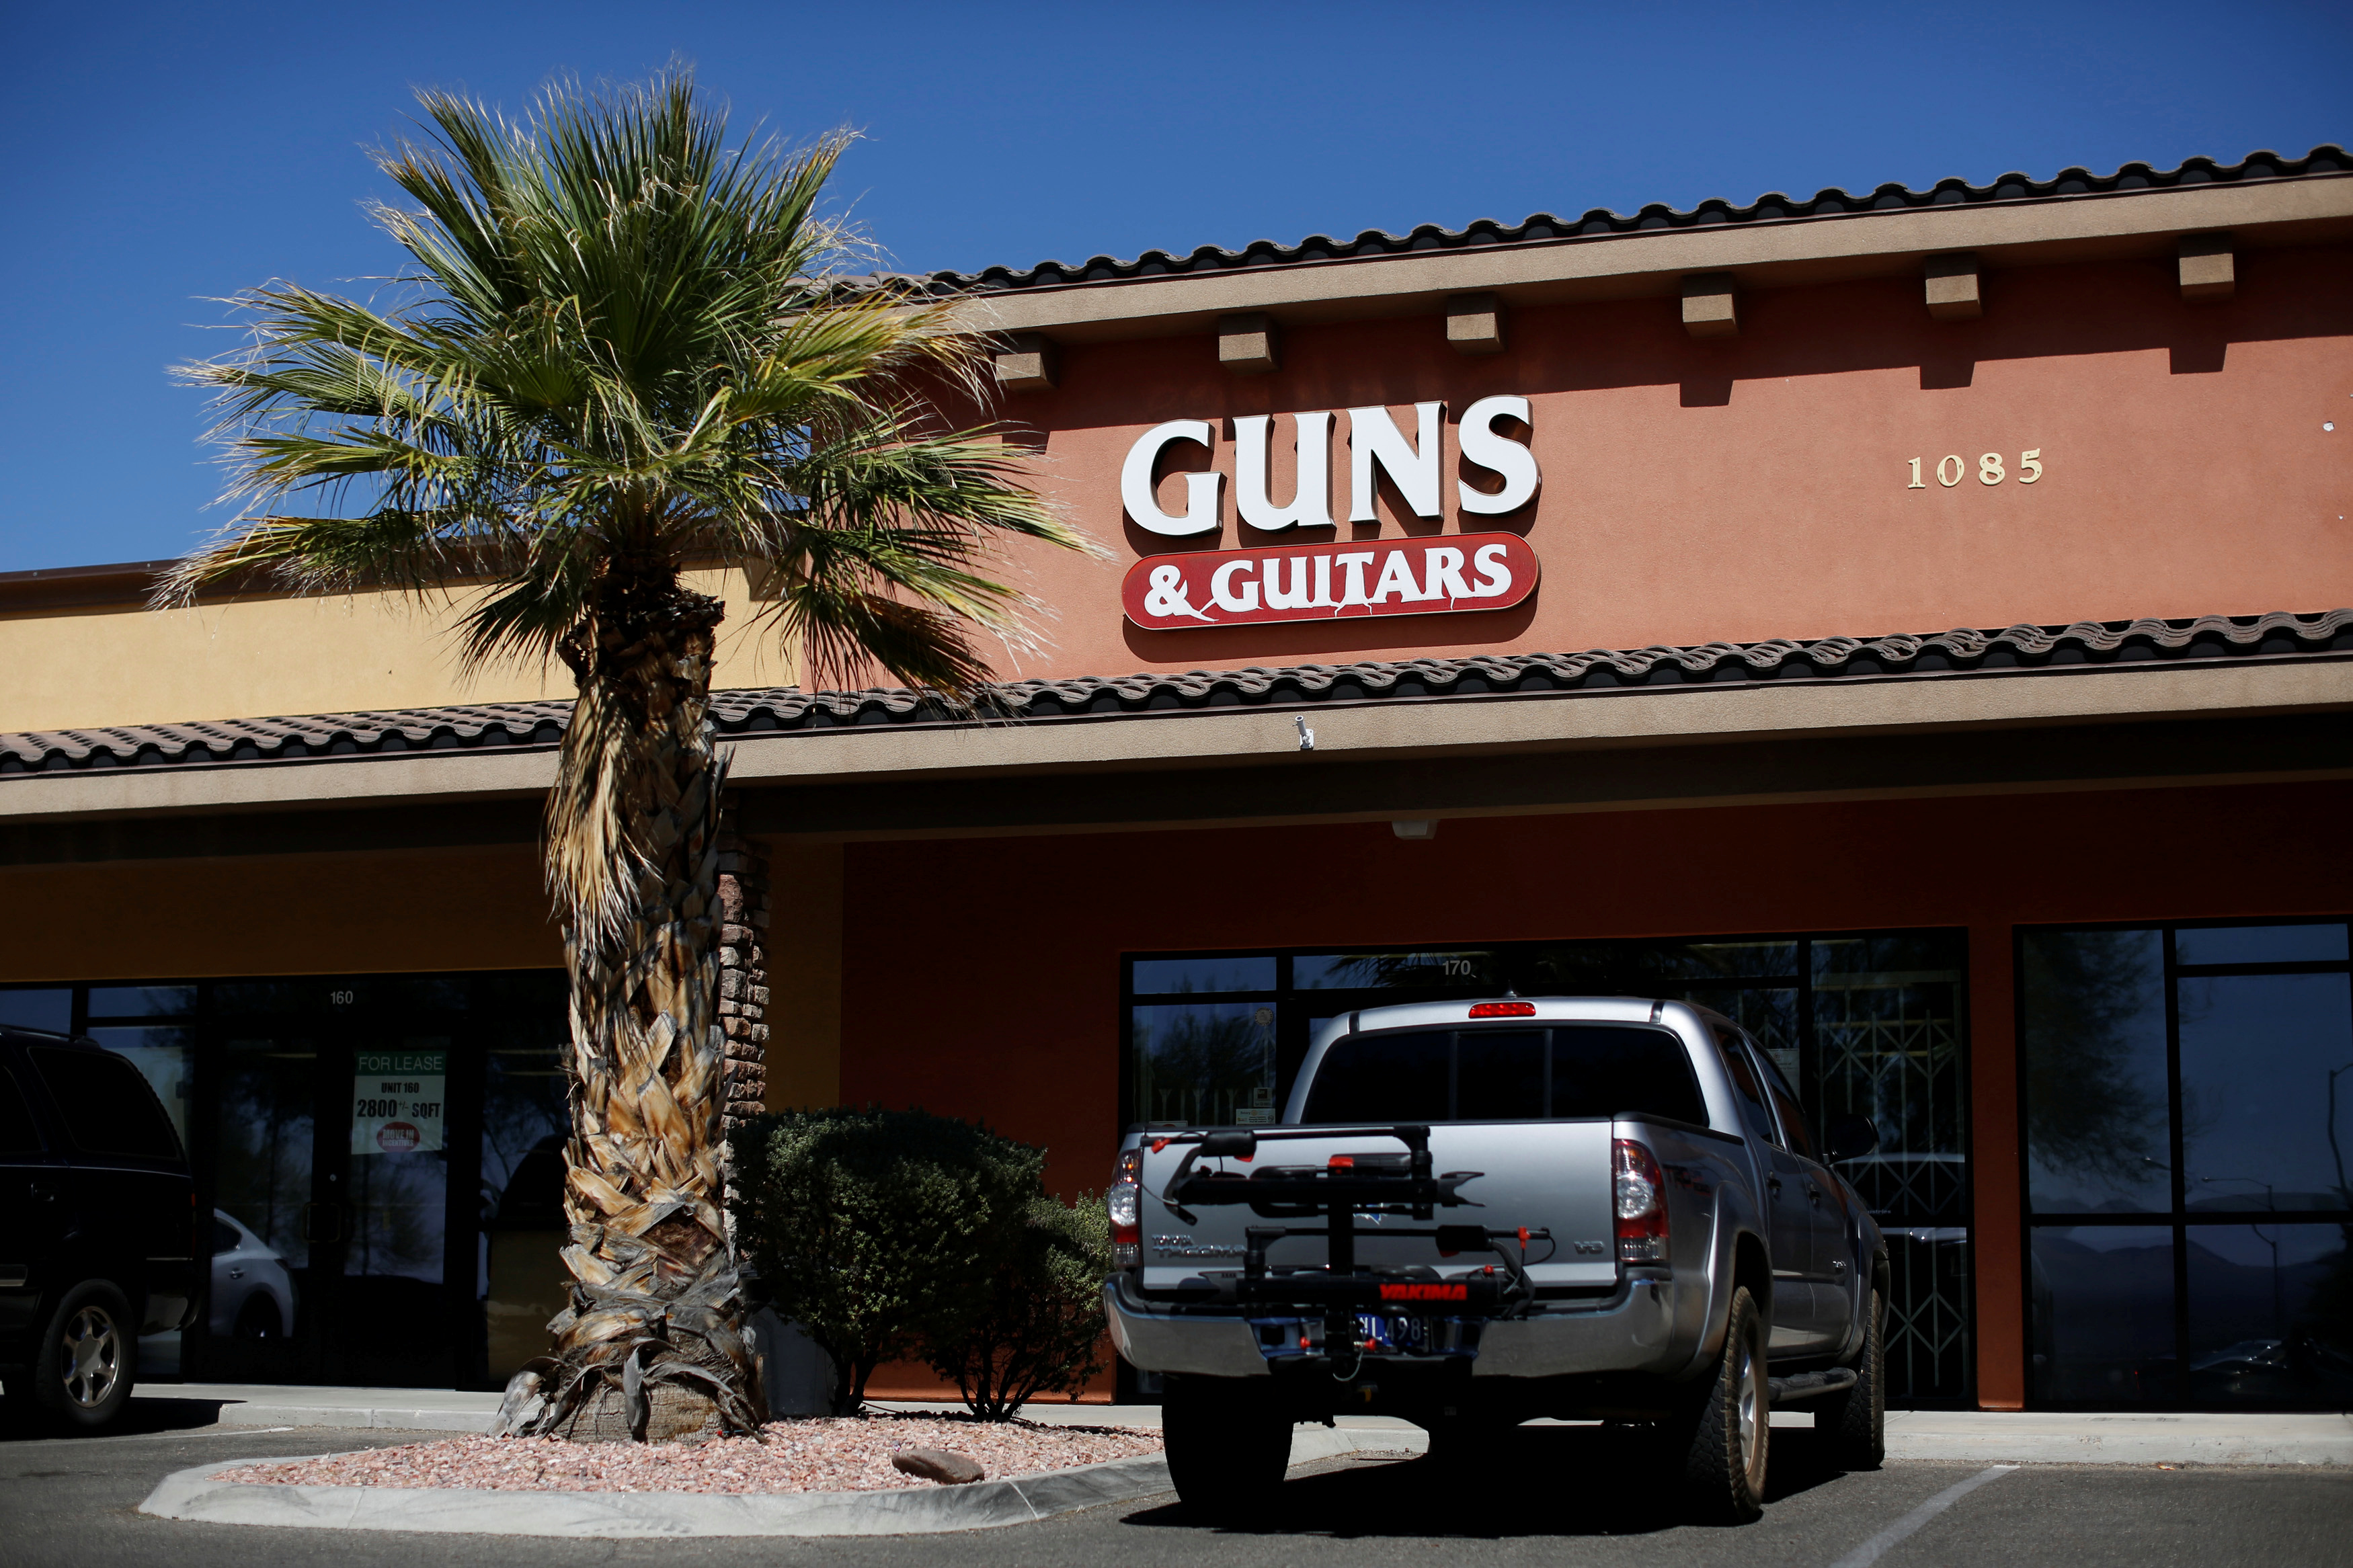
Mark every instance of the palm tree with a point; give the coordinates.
(630, 347)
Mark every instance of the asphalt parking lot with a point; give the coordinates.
(1560, 1495)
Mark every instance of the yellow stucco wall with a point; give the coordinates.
(92, 667)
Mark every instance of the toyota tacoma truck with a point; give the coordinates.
(1475, 1214)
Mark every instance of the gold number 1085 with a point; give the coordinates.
(1952, 468)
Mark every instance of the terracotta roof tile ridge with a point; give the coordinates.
(1831, 201)
(1963, 650)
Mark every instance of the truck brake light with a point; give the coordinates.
(1639, 1203)
(1123, 1203)
(1504, 1010)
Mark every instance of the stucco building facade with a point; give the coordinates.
(1568, 605)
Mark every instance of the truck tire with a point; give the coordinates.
(1227, 1446)
(1853, 1421)
(1728, 1432)
(79, 1376)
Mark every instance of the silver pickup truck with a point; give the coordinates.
(1474, 1214)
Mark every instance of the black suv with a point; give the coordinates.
(97, 1226)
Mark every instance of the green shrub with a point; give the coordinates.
(1042, 1328)
(880, 1232)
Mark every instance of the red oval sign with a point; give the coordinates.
(1445, 575)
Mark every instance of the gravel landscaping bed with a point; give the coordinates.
(824, 1454)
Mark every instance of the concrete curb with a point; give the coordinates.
(352, 1418)
(189, 1494)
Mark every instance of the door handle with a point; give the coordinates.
(1814, 1194)
(1773, 1186)
(42, 1191)
(239, 1273)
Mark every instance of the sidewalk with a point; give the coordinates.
(1977, 1436)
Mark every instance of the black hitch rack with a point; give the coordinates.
(1333, 1194)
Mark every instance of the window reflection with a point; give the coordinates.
(162, 1056)
(1394, 971)
(262, 1159)
(38, 1009)
(2094, 1043)
(2260, 944)
(1205, 1064)
(142, 1001)
(2271, 1315)
(2255, 1055)
(1164, 976)
(2103, 1298)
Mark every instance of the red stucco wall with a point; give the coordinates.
(941, 1011)
(1755, 487)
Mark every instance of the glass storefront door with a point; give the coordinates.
(334, 1146)
(382, 1155)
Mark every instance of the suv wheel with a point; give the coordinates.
(1227, 1446)
(1727, 1435)
(1853, 1421)
(81, 1371)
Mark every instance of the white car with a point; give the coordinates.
(253, 1295)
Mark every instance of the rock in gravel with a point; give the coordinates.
(944, 1465)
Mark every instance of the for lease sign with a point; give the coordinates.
(397, 1101)
(1330, 582)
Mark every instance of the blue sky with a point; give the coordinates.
(162, 156)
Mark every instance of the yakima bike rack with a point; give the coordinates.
(1335, 1193)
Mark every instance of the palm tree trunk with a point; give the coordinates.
(653, 1344)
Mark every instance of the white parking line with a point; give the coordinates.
(1877, 1547)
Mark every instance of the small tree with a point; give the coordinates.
(1042, 1328)
(880, 1232)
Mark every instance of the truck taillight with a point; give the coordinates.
(1124, 1202)
(1638, 1194)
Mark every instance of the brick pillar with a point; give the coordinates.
(742, 971)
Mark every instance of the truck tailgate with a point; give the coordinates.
(1543, 1175)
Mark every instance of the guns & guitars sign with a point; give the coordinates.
(1333, 579)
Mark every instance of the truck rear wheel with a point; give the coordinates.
(1853, 1421)
(1227, 1446)
(1727, 1435)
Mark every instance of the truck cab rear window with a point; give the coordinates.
(1505, 1074)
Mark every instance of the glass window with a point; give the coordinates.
(1204, 1063)
(2260, 944)
(2271, 1315)
(1888, 1047)
(1397, 1076)
(1610, 1069)
(262, 1173)
(2102, 1315)
(1785, 1102)
(1464, 971)
(162, 1053)
(42, 1009)
(1165, 977)
(399, 1173)
(17, 1133)
(106, 1105)
(2256, 1050)
(1750, 1098)
(1499, 1075)
(142, 1001)
(2094, 1043)
(1651, 965)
